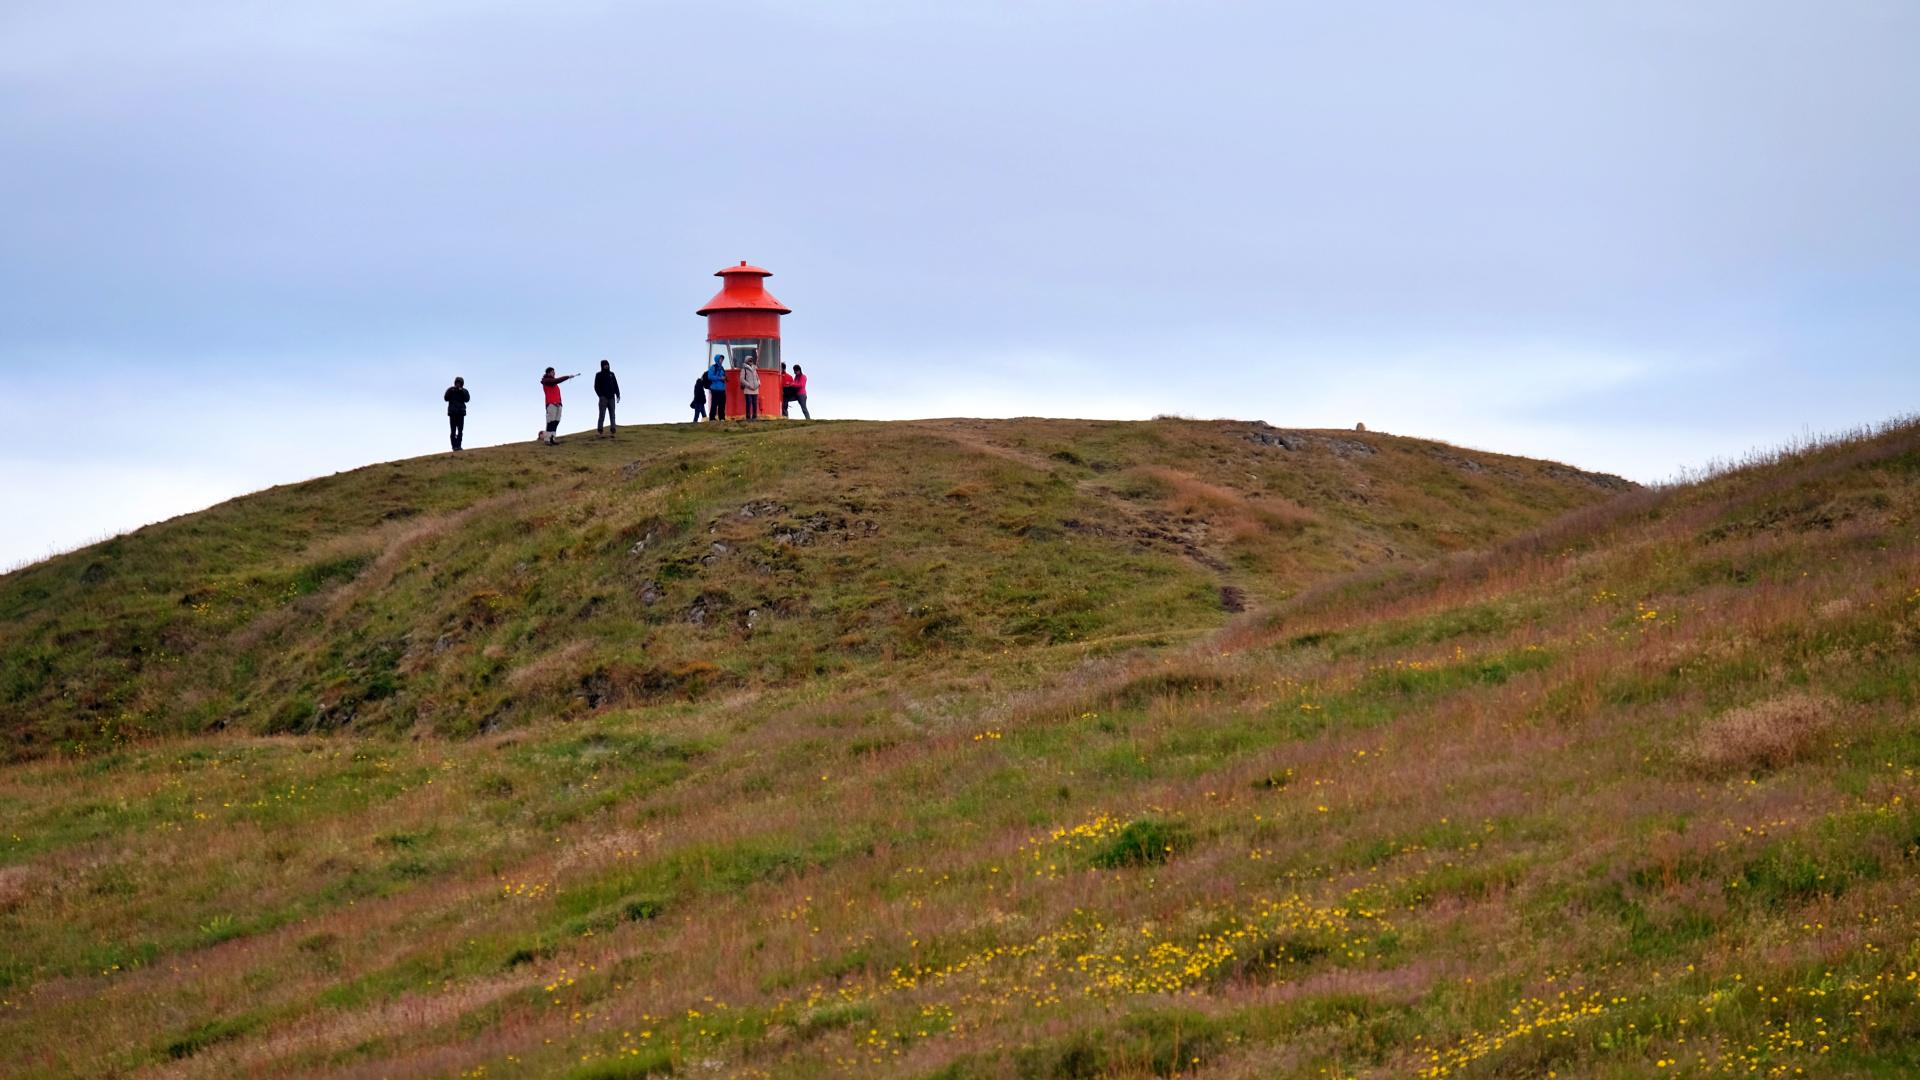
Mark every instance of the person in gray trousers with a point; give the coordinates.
(607, 387)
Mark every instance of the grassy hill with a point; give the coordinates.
(480, 592)
(934, 749)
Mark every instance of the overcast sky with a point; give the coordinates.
(249, 243)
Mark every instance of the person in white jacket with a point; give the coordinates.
(750, 386)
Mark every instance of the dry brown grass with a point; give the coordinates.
(1765, 735)
(550, 669)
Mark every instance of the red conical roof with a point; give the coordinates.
(745, 290)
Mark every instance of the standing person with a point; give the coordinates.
(800, 390)
(551, 384)
(786, 388)
(699, 397)
(606, 385)
(750, 385)
(456, 398)
(717, 390)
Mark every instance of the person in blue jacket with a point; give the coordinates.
(717, 388)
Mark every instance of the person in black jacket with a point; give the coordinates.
(457, 398)
(699, 397)
(607, 386)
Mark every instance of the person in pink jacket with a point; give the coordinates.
(800, 390)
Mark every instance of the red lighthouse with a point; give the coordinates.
(743, 329)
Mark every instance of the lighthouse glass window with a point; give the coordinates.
(738, 352)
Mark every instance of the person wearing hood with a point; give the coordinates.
(750, 388)
(606, 386)
(717, 389)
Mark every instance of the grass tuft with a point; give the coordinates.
(1141, 842)
(1765, 735)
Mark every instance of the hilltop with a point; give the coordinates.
(935, 749)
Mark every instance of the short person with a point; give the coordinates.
(551, 384)
(699, 397)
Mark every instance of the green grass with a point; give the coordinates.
(1142, 842)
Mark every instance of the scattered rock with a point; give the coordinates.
(1458, 462)
(650, 593)
(1232, 598)
(813, 528)
(1280, 441)
(595, 688)
(706, 606)
(1607, 481)
(1300, 440)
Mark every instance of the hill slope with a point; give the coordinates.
(1629, 792)
(481, 591)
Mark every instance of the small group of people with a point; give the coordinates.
(710, 391)
(606, 387)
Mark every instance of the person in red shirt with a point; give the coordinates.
(786, 388)
(551, 384)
